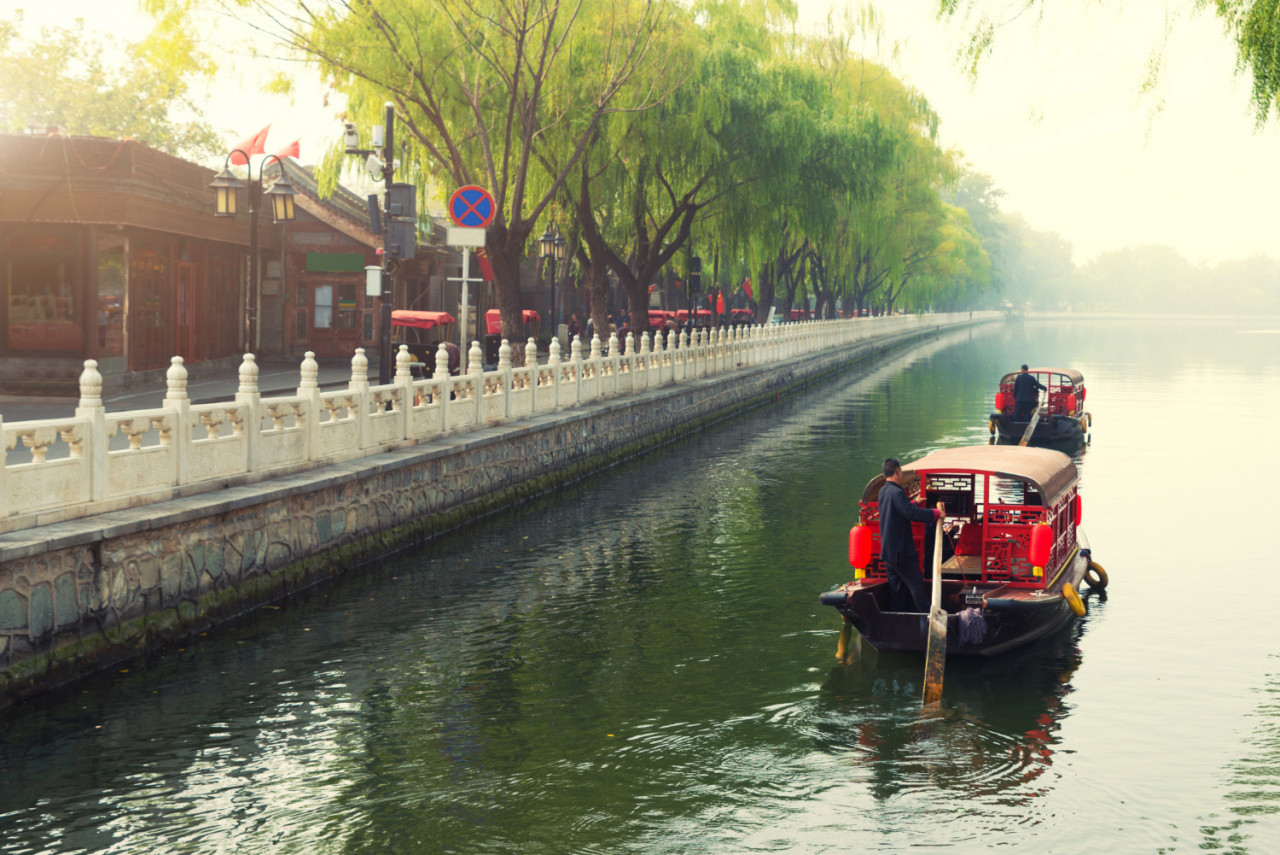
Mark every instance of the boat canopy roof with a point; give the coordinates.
(1051, 471)
(419, 320)
(1071, 374)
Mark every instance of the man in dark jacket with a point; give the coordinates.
(1024, 395)
(897, 547)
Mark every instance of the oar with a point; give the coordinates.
(935, 656)
(1031, 426)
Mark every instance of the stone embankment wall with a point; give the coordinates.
(83, 593)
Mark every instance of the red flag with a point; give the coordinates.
(719, 302)
(746, 286)
(291, 150)
(250, 145)
(486, 269)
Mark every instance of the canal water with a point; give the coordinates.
(639, 663)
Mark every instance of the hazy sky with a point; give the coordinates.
(1056, 117)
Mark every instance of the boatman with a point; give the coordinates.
(897, 546)
(1024, 395)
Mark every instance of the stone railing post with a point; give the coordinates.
(358, 386)
(176, 399)
(553, 360)
(531, 359)
(441, 376)
(309, 392)
(249, 396)
(615, 361)
(90, 409)
(404, 379)
(504, 377)
(475, 370)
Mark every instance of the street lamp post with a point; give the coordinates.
(695, 285)
(281, 194)
(554, 248)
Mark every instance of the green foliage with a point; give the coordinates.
(66, 79)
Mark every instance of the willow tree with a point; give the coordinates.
(484, 89)
(738, 117)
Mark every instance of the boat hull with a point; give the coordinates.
(1051, 429)
(999, 619)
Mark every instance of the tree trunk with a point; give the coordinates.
(505, 247)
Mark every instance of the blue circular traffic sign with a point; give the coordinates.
(471, 207)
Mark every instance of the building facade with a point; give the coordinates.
(109, 250)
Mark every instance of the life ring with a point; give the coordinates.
(1095, 576)
(1083, 428)
(1073, 599)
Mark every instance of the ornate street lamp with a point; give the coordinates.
(280, 194)
(553, 248)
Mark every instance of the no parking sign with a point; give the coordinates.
(471, 207)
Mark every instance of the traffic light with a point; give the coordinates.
(695, 274)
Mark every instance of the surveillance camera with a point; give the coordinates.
(350, 137)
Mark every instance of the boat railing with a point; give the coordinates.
(995, 544)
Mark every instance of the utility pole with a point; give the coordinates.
(397, 220)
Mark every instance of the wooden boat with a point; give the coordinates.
(1014, 558)
(1060, 418)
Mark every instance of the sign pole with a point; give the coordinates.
(471, 208)
(466, 302)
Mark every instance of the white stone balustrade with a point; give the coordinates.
(200, 447)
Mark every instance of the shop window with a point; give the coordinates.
(41, 289)
(346, 307)
(323, 307)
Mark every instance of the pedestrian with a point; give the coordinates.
(897, 546)
(1024, 395)
(575, 326)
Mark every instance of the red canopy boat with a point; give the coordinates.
(1060, 419)
(1013, 561)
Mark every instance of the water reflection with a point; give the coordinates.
(992, 741)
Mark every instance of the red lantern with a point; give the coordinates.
(1071, 403)
(1079, 510)
(1041, 544)
(1083, 394)
(859, 546)
(999, 402)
